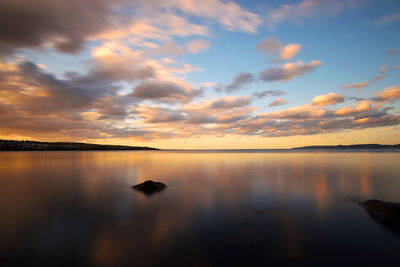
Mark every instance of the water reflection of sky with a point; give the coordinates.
(219, 208)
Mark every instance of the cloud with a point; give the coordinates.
(391, 51)
(272, 46)
(79, 107)
(233, 115)
(302, 112)
(383, 70)
(223, 110)
(230, 102)
(289, 51)
(329, 99)
(79, 91)
(358, 86)
(66, 24)
(114, 108)
(389, 18)
(164, 91)
(289, 71)
(198, 46)
(311, 119)
(306, 119)
(344, 111)
(239, 81)
(150, 26)
(305, 9)
(230, 15)
(167, 49)
(362, 107)
(268, 93)
(159, 115)
(391, 93)
(170, 23)
(278, 102)
(118, 62)
(40, 104)
(69, 25)
(379, 77)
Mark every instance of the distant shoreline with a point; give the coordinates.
(359, 146)
(13, 145)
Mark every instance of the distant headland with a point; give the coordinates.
(13, 145)
(360, 146)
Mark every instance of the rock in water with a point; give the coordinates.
(386, 213)
(149, 187)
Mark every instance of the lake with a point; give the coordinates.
(227, 208)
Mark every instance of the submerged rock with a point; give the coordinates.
(386, 213)
(149, 187)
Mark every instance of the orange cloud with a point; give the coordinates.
(358, 86)
(88, 107)
(272, 46)
(289, 51)
(391, 93)
(197, 46)
(289, 71)
(329, 99)
(278, 102)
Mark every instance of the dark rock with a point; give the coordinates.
(386, 213)
(149, 187)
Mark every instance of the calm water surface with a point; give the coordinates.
(232, 209)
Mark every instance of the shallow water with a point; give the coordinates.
(232, 209)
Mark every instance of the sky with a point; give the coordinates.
(201, 74)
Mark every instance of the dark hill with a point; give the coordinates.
(12, 145)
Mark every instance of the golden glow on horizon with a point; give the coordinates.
(382, 135)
